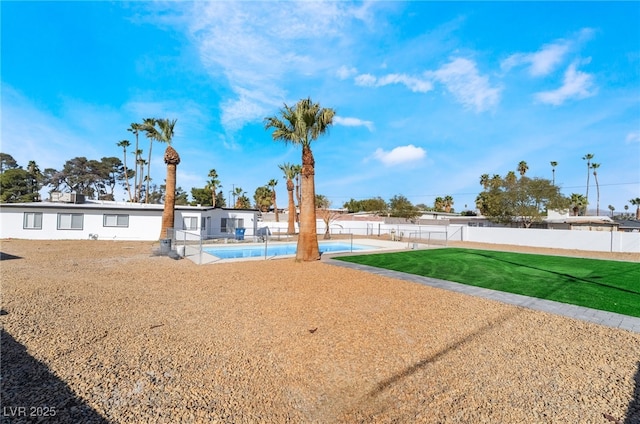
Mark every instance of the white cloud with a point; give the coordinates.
(400, 155)
(462, 79)
(345, 72)
(542, 62)
(352, 122)
(576, 85)
(257, 46)
(633, 137)
(414, 84)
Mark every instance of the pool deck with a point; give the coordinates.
(609, 319)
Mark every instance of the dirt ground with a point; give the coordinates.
(108, 332)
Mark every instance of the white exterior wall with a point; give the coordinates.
(145, 221)
(143, 225)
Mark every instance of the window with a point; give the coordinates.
(115, 220)
(32, 221)
(70, 221)
(228, 225)
(190, 223)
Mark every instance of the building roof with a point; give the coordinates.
(111, 205)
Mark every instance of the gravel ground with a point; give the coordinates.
(106, 332)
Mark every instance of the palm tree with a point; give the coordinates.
(124, 144)
(302, 124)
(595, 166)
(484, 181)
(612, 208)
(141, 163)
(135, 129)
(578, 201)
(438, 204)
(289, 175)
(149, 126)
(523, 168)
(636, 203)
(172, 159)
(553, 171)
(448, 202)
(272, 186)
(212, 185)
(588, 158)
(237, 191)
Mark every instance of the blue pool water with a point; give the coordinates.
(278, 249)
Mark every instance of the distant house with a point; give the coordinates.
(74, 218)
(629, 226)
(563, 221)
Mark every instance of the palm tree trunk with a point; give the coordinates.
(168, 215)
(275, 207)
(597, 195)
(291, 227)
(146, 197)
(308, 249)
(213, 196)
(126, 174)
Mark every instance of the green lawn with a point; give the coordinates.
(606, 285)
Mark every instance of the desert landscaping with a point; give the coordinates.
(109, 332)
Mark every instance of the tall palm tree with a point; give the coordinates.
(612, 208)
(553, 171)
(595, 166)
(149, 126)
(172, 159)
(484, 181)
(289, 174)
(578, 201)
(302, 124)
(213, 184)
(140, 163)
(124, 144)
(522, 168)
(438, 204)
(272, 186)
(135, 129)
(237, 192)
(588, 158)
(164, 134)
(636, 203)
(448, 202)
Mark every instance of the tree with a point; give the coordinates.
(595, 166)
(353, 205)
(135, 129)
(243, 201)
(578, 202)
(200, 196)
(376, 205)
(124, 144)
(149, 127)
(438, 204)
(7, 162)
(14, 187)
(263, 198)
(448, 203)
(484, 181)
(289, 174)
(237, 192)
(300, 125)
(588, 158)
(327, 215)
(34, 181)
(636, 203)
(553, 171)
(523, 168)
(212, 184)
(221, 202)
(272, 186)
(524, 201)
(172, 159)
(401, 207)
(612, 208)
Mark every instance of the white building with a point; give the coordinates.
(118, 221)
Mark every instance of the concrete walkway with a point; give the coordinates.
(609, 319)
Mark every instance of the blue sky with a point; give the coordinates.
(428, 96)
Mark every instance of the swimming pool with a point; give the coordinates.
(280, 249)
